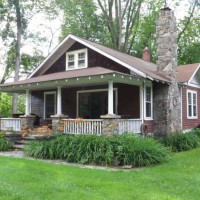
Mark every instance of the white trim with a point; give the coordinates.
(45, 94)
(181, 91)
(59, 100)
(76, 53)
(192, 92)
(193, 85)
(150, 86)
(110, 98)
(142, 102)
(93, 48)
(95, 90)
(30, 103)
(193, 74)
(27, 112)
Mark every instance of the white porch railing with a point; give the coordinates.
(130, 125)
(85, 126)
(14, 123)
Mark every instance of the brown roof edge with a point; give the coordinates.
(65, 75)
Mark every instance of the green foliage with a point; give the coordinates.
(5, 145)
(189, 43)
(6, 105)
(196, 131)
(181, 142)
(90, 149)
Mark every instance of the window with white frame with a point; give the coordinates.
(148, 102)
(191, 104)
(76, 59)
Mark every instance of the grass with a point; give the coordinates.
(36, 180)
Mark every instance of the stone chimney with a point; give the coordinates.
(166, 33)
(167, 101)
(146, 54)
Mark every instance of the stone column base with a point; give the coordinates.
(110, 124)
(27, 123)
(57, 123)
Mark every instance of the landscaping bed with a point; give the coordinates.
(116, 150)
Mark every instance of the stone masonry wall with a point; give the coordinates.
(167, 102)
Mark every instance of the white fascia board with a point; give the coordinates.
(194, 74)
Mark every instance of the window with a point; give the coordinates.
(148, 102)
(192, 104)
(49, 104)
(76, 59)
(81, 59)
(71, 61)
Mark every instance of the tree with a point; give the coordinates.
(15, 15)
(120, 18)
(81, 19)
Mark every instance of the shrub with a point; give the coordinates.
(196, 131)
(4, 144)
(180, 141)
(91, 149)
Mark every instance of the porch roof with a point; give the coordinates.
(94, 75)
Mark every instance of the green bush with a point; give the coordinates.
(181, 142)
(90, 149)
(196, 131)
(4, 144)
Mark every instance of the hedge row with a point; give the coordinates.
(101, 150)
(182, 141)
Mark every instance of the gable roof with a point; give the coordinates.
(186, 72)
(142, 68)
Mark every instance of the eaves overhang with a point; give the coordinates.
(72, 82)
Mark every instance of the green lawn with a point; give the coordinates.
(34, 180)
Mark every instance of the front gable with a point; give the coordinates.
(125, 61)
(195, 79)
(94, 59)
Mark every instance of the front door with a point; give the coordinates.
(92, 105)
(49, 104)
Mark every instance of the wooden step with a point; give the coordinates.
(18, 146)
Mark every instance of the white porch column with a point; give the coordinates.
(110, 98)
(59, 101)
(27, 102)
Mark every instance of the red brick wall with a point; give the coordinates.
(149, 124)
(189, 123)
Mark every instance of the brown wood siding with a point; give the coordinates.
(94, 59)
(190, 123)
(149, 124)
(37, 103)
(129, 100)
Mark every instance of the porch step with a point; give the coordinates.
(18, 146)
(21, 142)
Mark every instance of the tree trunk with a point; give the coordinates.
(18, 48)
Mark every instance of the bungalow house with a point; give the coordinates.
(112, 91)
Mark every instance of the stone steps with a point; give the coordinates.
(18, 146)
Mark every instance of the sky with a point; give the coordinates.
(46, 26)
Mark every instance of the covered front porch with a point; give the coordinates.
(89, 104)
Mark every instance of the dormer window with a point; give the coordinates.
(76, 59)
(71, 61)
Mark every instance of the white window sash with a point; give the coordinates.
(148, 101)
(192, 104)
(77, 59)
